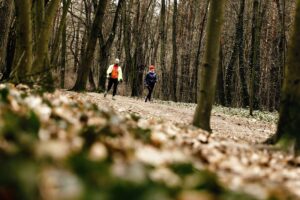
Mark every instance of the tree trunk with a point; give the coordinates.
(162, 27)
(254, 59)
(23, 55)
(282, 50)
(209, 70)
(240, 33)
(11, 48)
(86, 62)
(229, 76)
(92, 81)
(139, 51)
(197, 59)
(59, 33)
(41, 71)
(287, 134)
(174, 54)
(6, 14)
(220, 80)
(63, 49)
(38, 17)
(127, 41)
(238, 53)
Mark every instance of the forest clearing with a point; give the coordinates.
(150, 99)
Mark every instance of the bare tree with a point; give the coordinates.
(162, 30)
(209, 69)
(86, 62)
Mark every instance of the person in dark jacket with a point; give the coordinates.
(150, 80)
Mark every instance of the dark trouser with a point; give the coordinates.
(113, 82)
(150, 90)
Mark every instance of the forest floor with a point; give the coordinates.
(69, 145)
(234, 151)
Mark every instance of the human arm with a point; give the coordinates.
(109, 70)
(120, 74)
(146, 80)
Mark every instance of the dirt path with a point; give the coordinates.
(234, 127)
(235, 151)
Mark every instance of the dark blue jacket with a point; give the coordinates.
(150, 79)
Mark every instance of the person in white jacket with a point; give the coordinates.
(114, 76)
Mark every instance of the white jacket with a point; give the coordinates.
(109, 71)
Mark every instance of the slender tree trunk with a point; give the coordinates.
(6, 15)
(254, 59)
(63, 49)
(139, 51)
(287, 135)
(282, 50)
(136, 55)
(244, 90)
(127, 40)
(59, 34)
(197, 59)
(86, 62)
(229, 76)
(77, 47)
(238, 53)
(209, 70)
(220, 80)
(164, 79)
(11, 48)
(174, 53)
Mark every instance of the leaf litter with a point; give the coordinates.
(67, 145)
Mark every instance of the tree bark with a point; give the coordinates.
(255, 59)
(39, 17)
(174, 53)
(139, 50)
(197, 59)
(240, 33)
(23, 56)
(220, 80)
(282, 50)
(59, 33)
(44, 36)
(162, 27)
(287, 134)
(209, 70)
(238, 53)
(63, 48)
(92, 81)
(6, 14)
(11, 48)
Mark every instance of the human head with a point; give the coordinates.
(151, 68)
(117, 61)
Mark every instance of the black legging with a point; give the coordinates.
(111, 82)
(150, 90)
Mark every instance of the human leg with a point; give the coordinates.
(115, 83)
(150, 92)
(110, 84)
